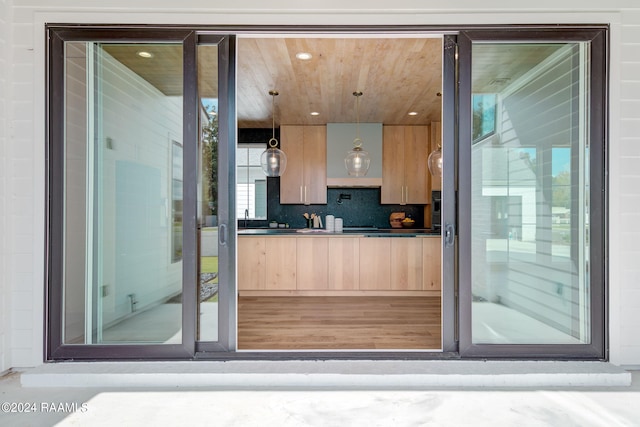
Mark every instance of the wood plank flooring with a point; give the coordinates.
(339, 323)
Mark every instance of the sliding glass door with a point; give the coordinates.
(532, 279)
(133, 234)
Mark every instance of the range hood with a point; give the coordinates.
(340, 138)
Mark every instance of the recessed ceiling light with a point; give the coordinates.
(413, 113)
(315, 113)
(145, 54)
(304, 56)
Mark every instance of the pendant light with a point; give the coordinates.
(357, 160)
(435, 161)
(273, 160)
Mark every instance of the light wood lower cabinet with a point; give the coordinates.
(375, 263)
(281, 259)
(343, 262)
(311, 264)
(338, 264)
(252, 263)
(432, 258)
(407, 264)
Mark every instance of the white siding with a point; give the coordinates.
(4, 244)
(625, 198)
(22, 217)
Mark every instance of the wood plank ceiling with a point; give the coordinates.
(396, 76)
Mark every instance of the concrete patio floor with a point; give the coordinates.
(183, 405)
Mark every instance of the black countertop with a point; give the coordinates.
(365, 232)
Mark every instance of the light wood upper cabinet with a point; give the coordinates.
(436, 139)
(432, 256)
(392, 190)
(252, 262)
(406, 264)
(304, 180)
(405, 174)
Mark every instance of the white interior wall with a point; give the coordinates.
(25, 241)
(141, 123)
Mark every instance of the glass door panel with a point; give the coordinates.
(208, 193)
(123, 189)
(530, 184)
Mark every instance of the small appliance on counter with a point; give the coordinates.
(395, 219)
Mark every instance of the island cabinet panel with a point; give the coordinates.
(405, 175)
(252, 263)
(338, 265)
(375, 263)
(406, 264)
(292, 180)
(312, 268)
(304, 180)
(417, 178)
(392, 190)
(432, 256)
(315, 166)
(344, 264)
(281, 259)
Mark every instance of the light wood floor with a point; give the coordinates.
(338, 323)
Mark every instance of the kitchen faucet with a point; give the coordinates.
(246, 217)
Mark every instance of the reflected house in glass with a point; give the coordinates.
(484, 115)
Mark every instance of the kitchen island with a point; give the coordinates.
(310, 262)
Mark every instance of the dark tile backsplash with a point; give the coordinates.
(363, 209)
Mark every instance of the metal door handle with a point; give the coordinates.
(222, 234)
(449, 234)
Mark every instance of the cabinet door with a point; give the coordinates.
(406, 264)
(416, 169)
(344, 263)
(251, 263)
(315, 165)
(436, 138)
(292, 180)
(431, 248)
(392, 190)
(375, 263)
(281, 263)
(312, 269)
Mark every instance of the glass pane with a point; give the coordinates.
(123, 193)
(530, 188)
(208, 194)
(251, 183)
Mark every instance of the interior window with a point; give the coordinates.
(251, 187)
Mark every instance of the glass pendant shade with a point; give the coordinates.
(273, 160)
(435, 162)
(357, 162)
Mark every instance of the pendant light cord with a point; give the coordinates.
(273, 94)
(358, 141)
